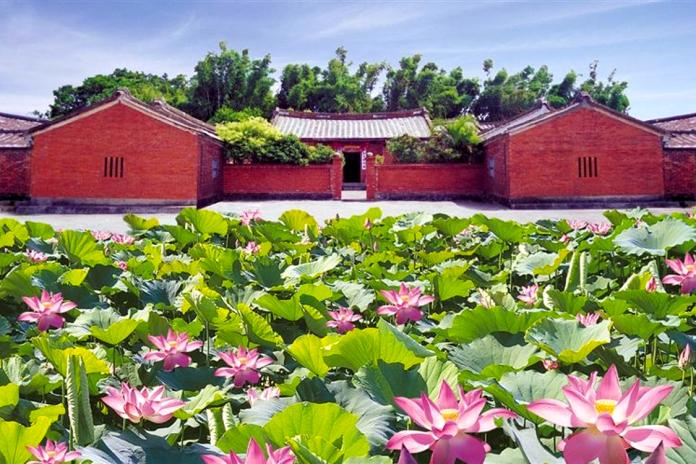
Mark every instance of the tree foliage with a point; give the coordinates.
(231, 79)
(146, 87)
(333, 89)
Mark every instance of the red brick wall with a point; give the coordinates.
(680, 173)
(435, 180)
(278, 180)
(543, 160)
(495, 167)
(161, 162)
(210, 182)
(14, 173)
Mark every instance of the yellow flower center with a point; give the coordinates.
(690, 267)
(605, 406)
(172, 344)
(450, 414)
(242, 359)
(46, 304)
(404, 298)
(51, 454)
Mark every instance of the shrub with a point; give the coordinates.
(407, 149)
(227, 114)
(255, 140)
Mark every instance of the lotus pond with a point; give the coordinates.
(364, 340)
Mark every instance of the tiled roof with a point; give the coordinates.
(539, 110)
(13, 130)
(683, 122)
(157, 109)
(681, 140)
(352, 126)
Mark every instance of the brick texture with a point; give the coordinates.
(278, 181)
(161, 162)
(542, 162)
(14, 173)
(680, 173)
(210, 172)
(436, 180)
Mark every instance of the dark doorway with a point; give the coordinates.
(351, 168)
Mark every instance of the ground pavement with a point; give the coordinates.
(326, 209)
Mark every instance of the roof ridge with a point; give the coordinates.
(671, 118)
(351, 115)
(19, 116)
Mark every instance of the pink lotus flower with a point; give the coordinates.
(249, 216)
(342, 320)
(269, 393)
(172, 349)
(101, 235)
(550, 364)
(651, 285)
(576, 224)
(45, 311)
(36, 256)
(136, 405)
(565, 238)
(122, 265)
(685, 275)
(404, 304)
(252, 248)
(122, 239)
(406, 458)
(52, 453)
(658, 456)
(254, 455)
(449, 424)
(588, 319)
(529, 294)
(605, 416)
(244, 366)
(599, 228)
(684, 357)
(368, 224)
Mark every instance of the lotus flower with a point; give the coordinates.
(244, 366)
(448, 425)
(404, 304)
(36, 256)
(406, 458)
(576, 224)
(685, 275)
(342, 320)
(122, 239)
(45, 311)
(368, 224)
(252, 248)
(254, 455)
(52, 453)
(565, 238)
(651, 285)
(529, 294)
(599, 228)
(171, 349)
(685, 357)
(144, 404)
(588, 319)
(249, 216)
(122, 265)
(550, 364)
(605, 417)
(101, 235)
(269, 393)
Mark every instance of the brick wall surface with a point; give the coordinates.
(14, 173)
(543, 160)
(495, 167)
(278, 181)
(680, 173)
(435, 180)
(160, 161)
(210, 173)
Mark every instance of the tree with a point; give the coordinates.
(334, 89)
(233, 80)
(444, 94)
(147, 87)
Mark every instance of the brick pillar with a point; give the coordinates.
(371, 178)
(336, 177)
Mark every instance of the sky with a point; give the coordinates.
(651, 44)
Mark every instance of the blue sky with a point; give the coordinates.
(651, 43)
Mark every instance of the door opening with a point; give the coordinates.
(351, 168)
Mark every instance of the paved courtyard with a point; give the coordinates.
(326, 209)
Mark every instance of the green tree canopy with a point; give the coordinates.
(334, 89)
(147, 87)
(231, 79)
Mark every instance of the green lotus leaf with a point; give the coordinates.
(203, 221)
(655, 239)
(16, 437)
(116, 332)
(568, 340)
(448, 287)
(494, 355)
(311, 269)
(210, 395)
(81, 247)
(299, 221)
(307, 350)
(139, 223)
(472, 324)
